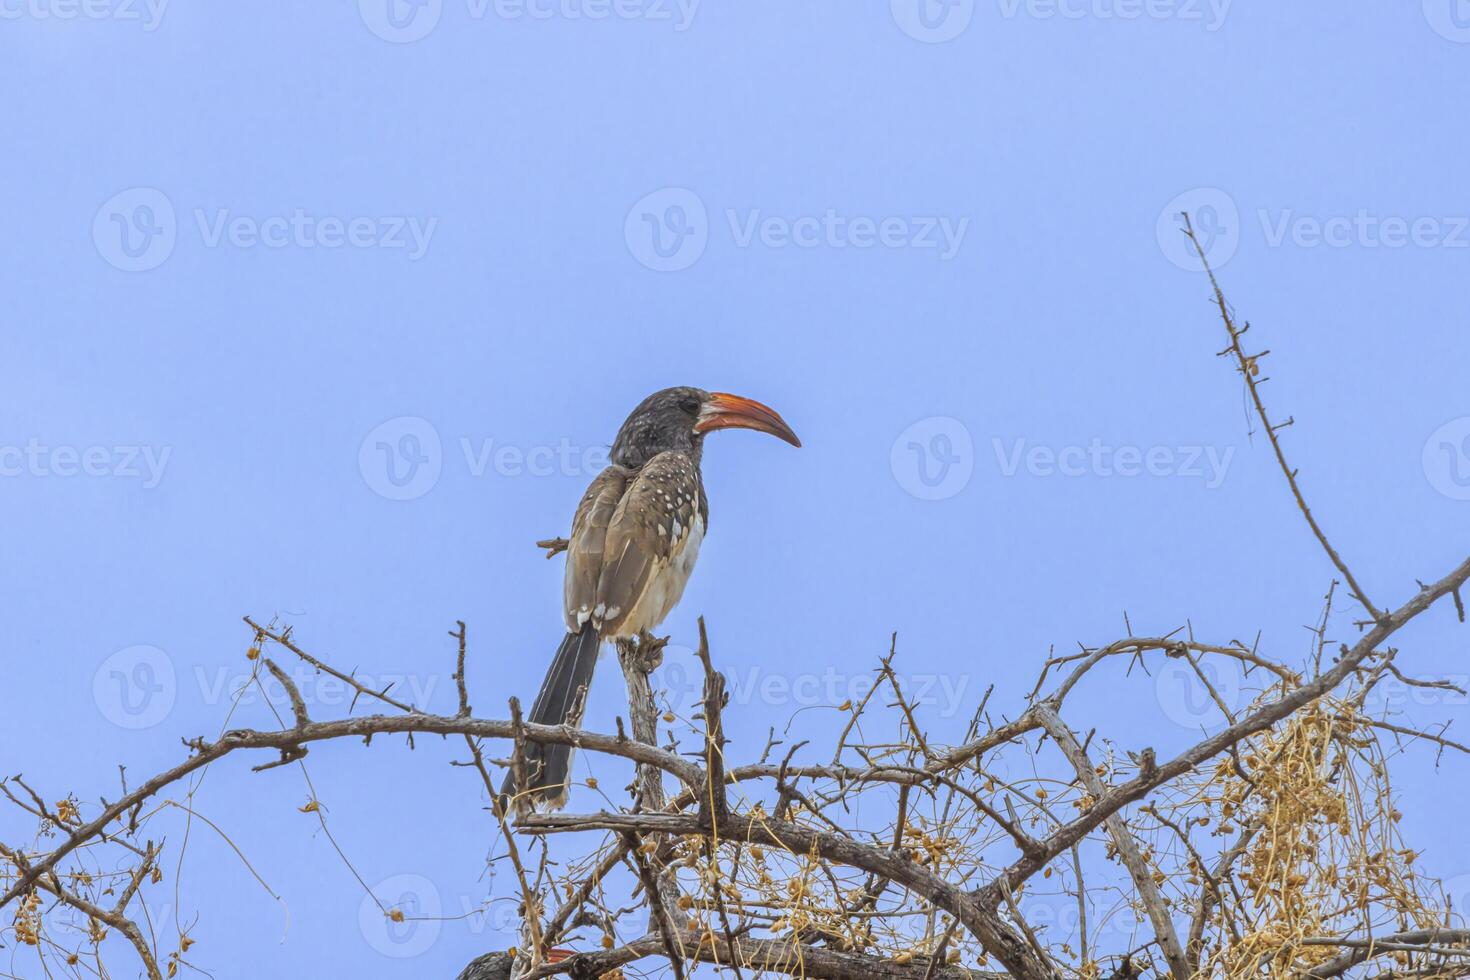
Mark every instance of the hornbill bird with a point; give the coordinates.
(634, 540)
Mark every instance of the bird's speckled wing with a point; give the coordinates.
(586, 547)
(651, 545)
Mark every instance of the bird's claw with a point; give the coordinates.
(645, 650)
(651, 648)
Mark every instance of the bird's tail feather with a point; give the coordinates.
(548, 767)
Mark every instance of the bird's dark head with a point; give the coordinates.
(678, 418)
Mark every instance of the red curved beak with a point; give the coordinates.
(724, 411)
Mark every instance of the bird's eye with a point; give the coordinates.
(690, 405)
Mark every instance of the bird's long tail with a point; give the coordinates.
(548, 767)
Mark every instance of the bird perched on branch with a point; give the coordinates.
(634, 540)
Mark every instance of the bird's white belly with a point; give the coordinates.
(665, 585)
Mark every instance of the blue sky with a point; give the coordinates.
(326, 312)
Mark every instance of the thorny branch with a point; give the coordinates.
(901, 856)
